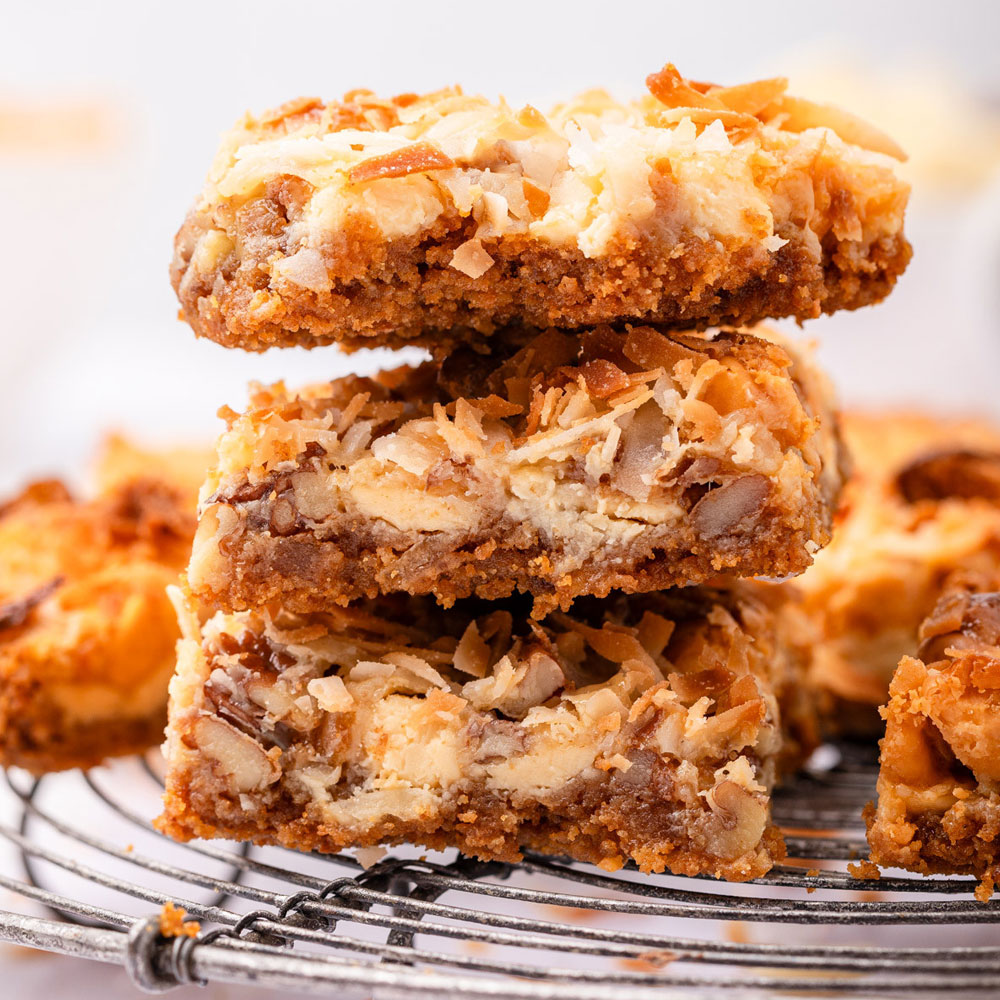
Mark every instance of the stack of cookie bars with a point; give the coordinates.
(509, 597)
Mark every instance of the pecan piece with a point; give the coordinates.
(960, 621)
(960, 473)
(720, 510)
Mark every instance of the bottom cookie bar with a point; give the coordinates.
(87, 632)
(938, 800)
(647, 728)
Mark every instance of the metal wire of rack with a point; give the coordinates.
(547, 928)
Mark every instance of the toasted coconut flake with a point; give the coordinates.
(471, 259)
(352, 411)
(796, 114)
(655, 632)
(290, 109)
(419, 667)
(650, 349)
(472, 655)
(615, 644)
(497, 408)
(671, 89)
(603, 378)
(365, 670)
(416, 159)
(751, 98)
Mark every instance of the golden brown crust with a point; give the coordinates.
(414, 296)
(420, 219)
(87, 633)
(623, 459)
(606, 823)
(920, 507)
(304, 573)
(594, 705)
(938, 802)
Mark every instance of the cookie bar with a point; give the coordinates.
(371, 221)
(923, 504)
(649, 728)
(87, 632)
(938, 801)
(630, 459)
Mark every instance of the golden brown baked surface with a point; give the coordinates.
(938, 802)
(626, 458)
(87, 632)
(922, 504)
(649, 728)
(422, 218)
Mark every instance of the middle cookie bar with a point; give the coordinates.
(617, 458)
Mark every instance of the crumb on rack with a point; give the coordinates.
(811, 873)
(173, 924)
(864, 870)
(649, 961)
(986, 886)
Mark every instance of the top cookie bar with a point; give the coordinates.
(424, 218)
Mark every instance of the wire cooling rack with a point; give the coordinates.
(413, 926)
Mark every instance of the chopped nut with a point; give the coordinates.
(721, 510)
(960, 473)
(241, 759)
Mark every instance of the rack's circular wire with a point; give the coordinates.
(545, 928)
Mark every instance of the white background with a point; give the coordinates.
(88, 332)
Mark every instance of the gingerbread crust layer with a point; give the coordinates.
(648, 728)
(938, 806)
(621, 459)
(423, 219)
(87, 632)
(921, 505)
